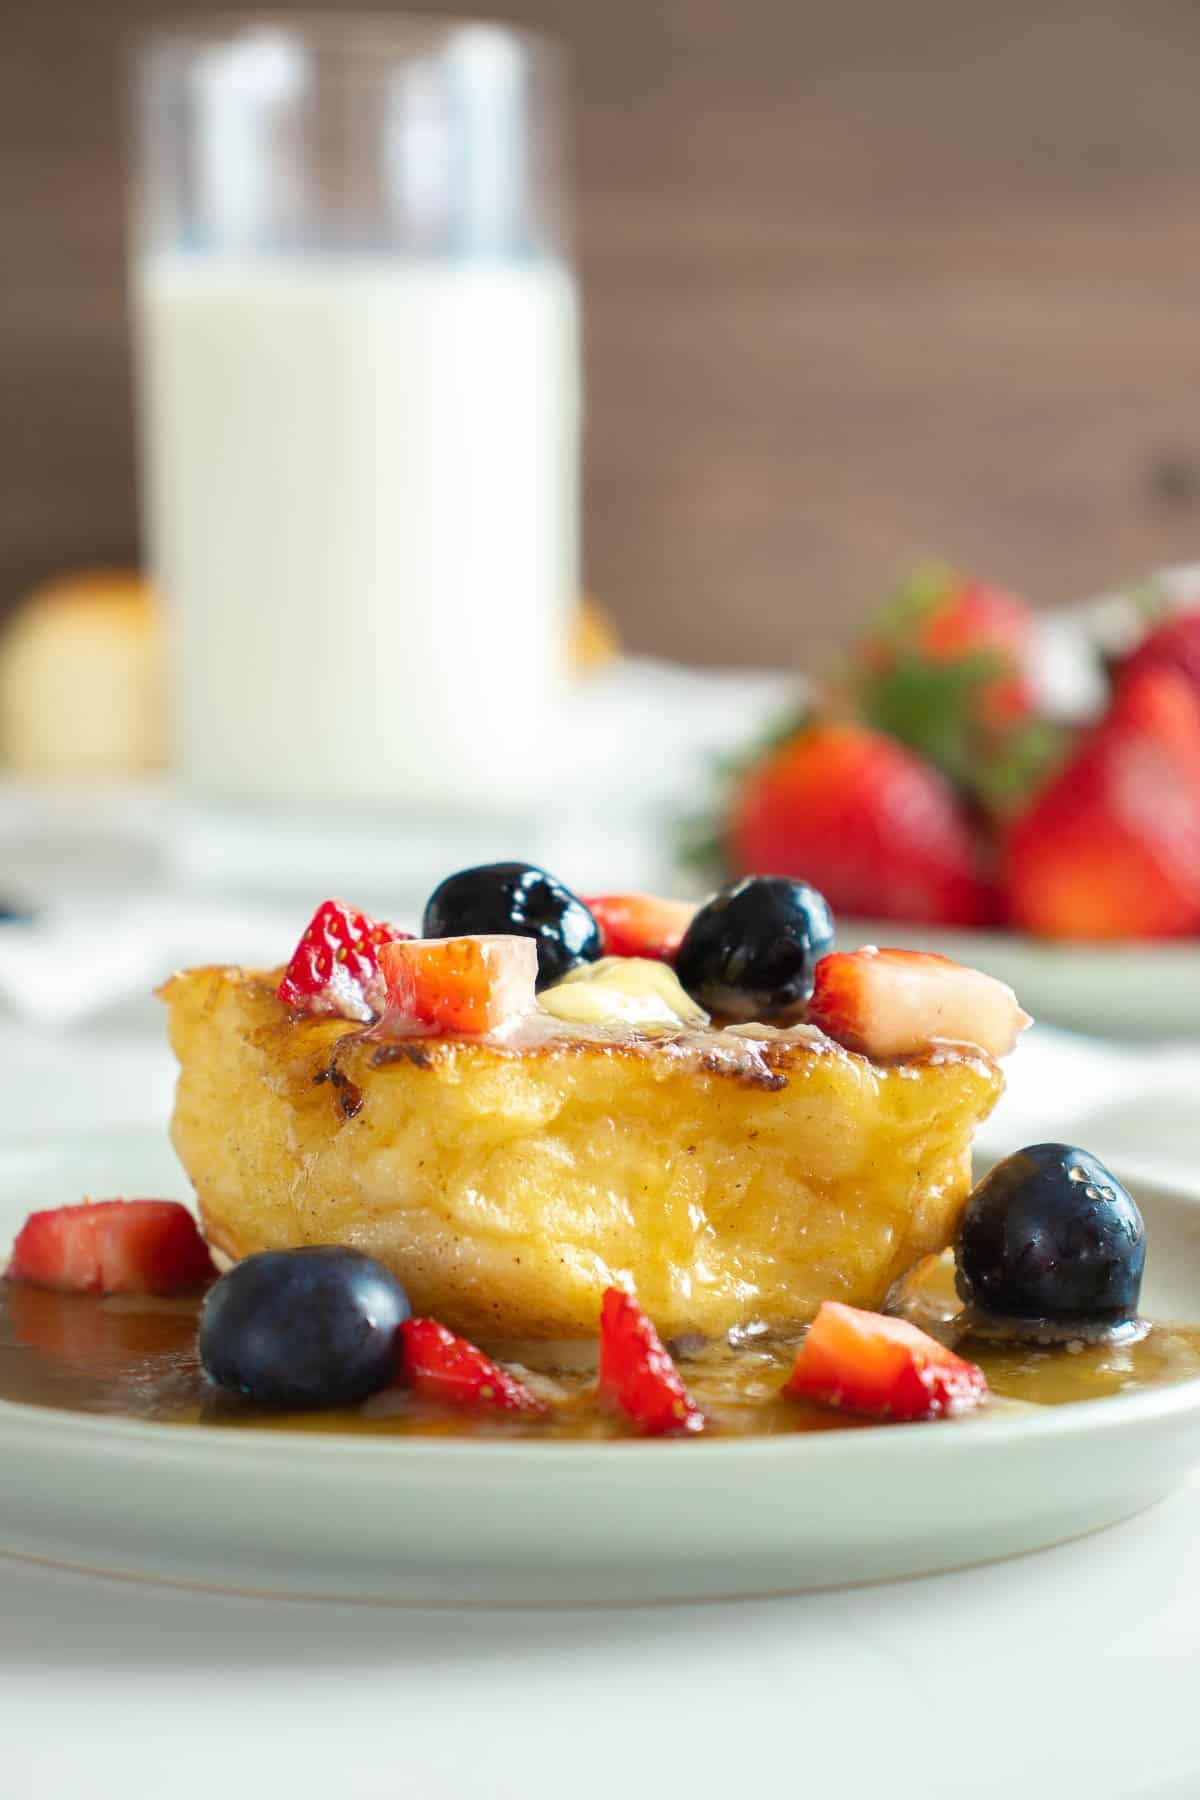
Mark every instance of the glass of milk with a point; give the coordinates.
(357, 349)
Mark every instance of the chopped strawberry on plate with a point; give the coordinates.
(444, 1367)
(880, 832)
(335, 966)
(637, 1375)
(869, 1363)
(640, 924)
(901, 1002)
(466, 984)
(112, 1247)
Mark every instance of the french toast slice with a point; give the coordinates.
(729, 1177)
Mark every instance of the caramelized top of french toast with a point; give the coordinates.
(755, 1054)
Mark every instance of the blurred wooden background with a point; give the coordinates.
(863, 282)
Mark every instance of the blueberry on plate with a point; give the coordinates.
(1050, 1234)
(751, 950)
(310, 1327)
(520, 900)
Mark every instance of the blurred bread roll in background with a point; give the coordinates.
(82, 677)
(82, 674)
(595, 641)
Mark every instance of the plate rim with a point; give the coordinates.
(1072, 1418)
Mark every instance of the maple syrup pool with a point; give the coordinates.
(135, 1357)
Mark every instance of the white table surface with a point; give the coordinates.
(1069, 1674)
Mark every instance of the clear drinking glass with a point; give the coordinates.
(357, 345)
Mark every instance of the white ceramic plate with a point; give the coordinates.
(1118, 990)
(464, 1523)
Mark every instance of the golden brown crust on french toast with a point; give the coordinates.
(729, 1179)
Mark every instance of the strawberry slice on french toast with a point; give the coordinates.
(469, 985)
(641, 924)
(334, 969)
(900, 1002)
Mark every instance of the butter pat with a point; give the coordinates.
(622, 990)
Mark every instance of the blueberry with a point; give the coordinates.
(750, 952)
(1050, 1234)
(311, 1327)
(522, 901)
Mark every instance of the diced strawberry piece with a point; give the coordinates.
(335, 966)
(641, 924)
(872, 1364)
(900, 1002)
(437, 1363)
(1110, 848)
(636, 1373)
(112, 1247)
(880, 832)
(464, 984)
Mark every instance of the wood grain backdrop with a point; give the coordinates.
(863, 281)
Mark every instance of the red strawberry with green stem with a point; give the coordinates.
(946, 670)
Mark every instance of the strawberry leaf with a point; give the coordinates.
(1029, 754)
(925, 589)
(934, 708)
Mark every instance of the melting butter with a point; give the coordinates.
(622, 990)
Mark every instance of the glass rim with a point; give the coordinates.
(351, 35)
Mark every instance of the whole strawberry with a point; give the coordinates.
(946, 670)
(1110, 847)
(879, 832)
(943, 619)
(1175, 644)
